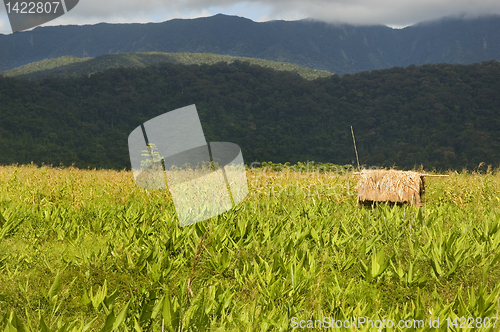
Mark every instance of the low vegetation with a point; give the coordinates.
(87, 250)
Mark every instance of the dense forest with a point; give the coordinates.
(439, 116)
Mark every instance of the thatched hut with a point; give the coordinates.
(390, 186)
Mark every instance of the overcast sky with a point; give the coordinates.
(394, 13)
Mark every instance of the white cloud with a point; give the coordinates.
(396, 13)
(387, 12)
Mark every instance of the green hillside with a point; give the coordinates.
(442, 116)
(69, 66)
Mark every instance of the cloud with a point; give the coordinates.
(390, 12)
(387, 12)
(396, 13)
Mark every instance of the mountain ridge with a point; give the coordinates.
(69, 66)
(338, 48)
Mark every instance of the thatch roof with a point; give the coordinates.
(391, 186)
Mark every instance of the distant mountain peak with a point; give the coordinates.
(339, 48)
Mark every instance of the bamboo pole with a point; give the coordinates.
(355, 149)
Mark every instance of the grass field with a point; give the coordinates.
(87, 250)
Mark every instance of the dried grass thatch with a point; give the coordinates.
(390, 186)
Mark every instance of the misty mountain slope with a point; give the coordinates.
(336, 48)
(451, 41)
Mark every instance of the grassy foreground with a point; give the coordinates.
(86, 250)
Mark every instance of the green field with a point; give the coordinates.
(88, 250)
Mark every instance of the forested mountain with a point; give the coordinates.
(443, 116)
(336, 48)
(69, 66)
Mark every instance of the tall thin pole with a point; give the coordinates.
(355, 149)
